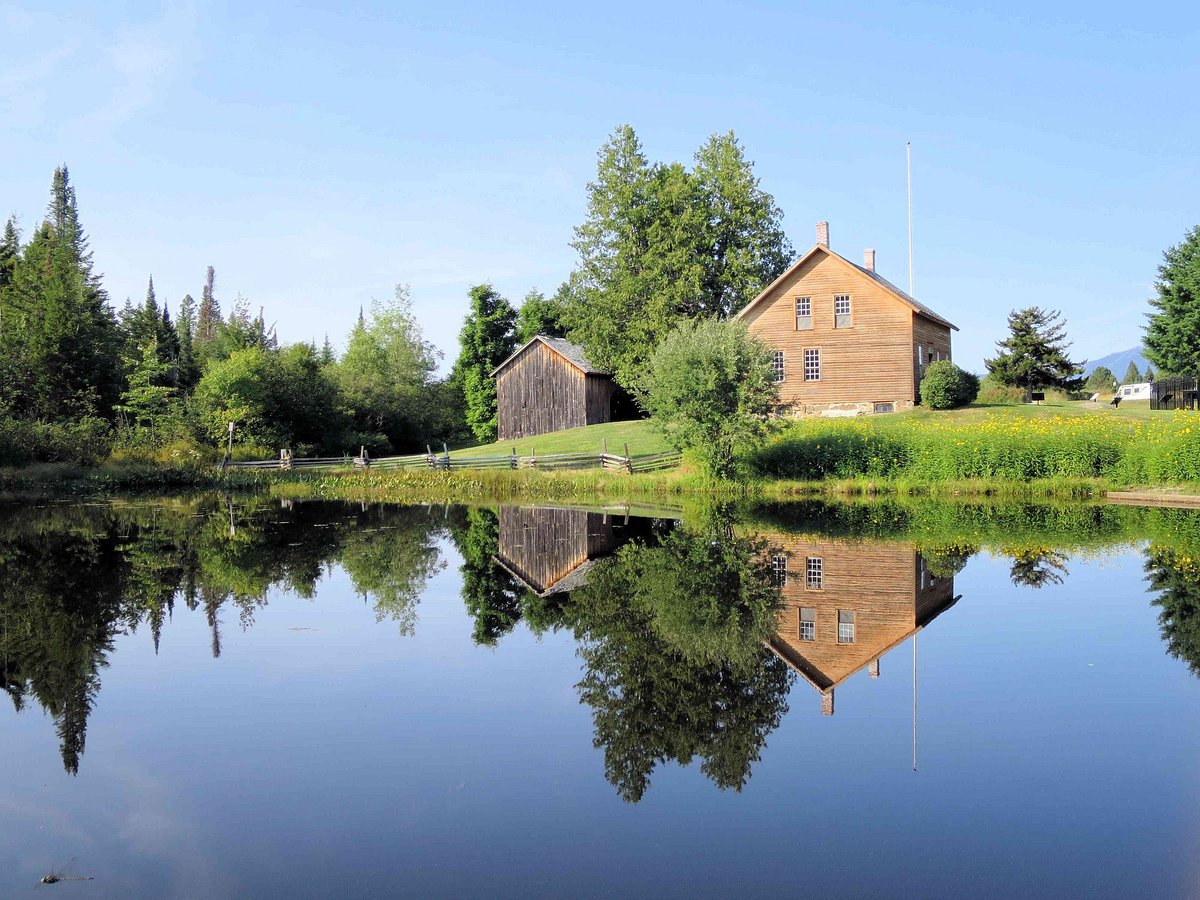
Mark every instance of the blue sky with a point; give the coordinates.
(317, 157)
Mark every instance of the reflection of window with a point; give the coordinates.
(777, 365)
(812, 365)
(814, 573)
(845, 626)
(779, 571)
(841, 311)
(808, 623)
(803, 313)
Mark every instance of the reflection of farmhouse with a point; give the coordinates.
(845, 340)
(550, 550)
(549, 385)
(846, 604)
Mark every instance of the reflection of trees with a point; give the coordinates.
(1037, 568)
(1175, 575)
(72, 578)
(493, 597)
(671, 638)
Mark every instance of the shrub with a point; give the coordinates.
(946, 386)
(85, 442)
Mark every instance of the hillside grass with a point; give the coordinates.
(641, 436)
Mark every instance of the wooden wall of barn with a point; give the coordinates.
(543, 545)
(540, 391)
(929, 338)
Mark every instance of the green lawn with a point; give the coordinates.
(1134, 410)
(641, 437)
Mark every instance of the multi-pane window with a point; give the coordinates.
(812, 365)
(803, 313)
(808, 623)
(814, 573)
(777, 365)
(779, 571)
(841, 311)
(845, 626)
(885, 407)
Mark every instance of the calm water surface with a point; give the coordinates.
(215, 698)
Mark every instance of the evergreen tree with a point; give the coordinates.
(1101, 379)
(147, 400)
(10, 252)
(1035, 353)
(745, 248)
(185, 335)
(208, 319)
(1149, 374)
(326, 354)
(1132, 375)
(486, 340)
(1173, 332)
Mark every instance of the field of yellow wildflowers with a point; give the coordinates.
(1001, 444)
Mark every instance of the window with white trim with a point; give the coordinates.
(808, 623)
(777, 365)
(841, 311)
(779, 571)
(845, 626)
(812, 365)
(803, 313)
(814, 573)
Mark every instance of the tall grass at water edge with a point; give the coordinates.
(1163, 450)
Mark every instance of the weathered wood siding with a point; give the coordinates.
(931, 341)
(543, 546)
(540, 391)
(885, 585)
(869, 362)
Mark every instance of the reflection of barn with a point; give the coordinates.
(549, 550)
(846, 604)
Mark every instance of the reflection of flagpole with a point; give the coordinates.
(914, 703)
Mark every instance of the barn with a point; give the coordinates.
(548, 385)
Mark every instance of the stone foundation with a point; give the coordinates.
(839, 410)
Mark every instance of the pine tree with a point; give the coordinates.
(1173, 332)
(486, 340)
(326, 354)
(1035, 353)
(208, 319)
(1132, 375)
(185, 334)
(10, 251)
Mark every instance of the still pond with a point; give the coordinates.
(219, 697)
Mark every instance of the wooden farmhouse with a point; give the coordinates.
(548, 385)
(846, 341)
(847, 603)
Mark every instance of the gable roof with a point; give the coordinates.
(572, 353)
(900, 295)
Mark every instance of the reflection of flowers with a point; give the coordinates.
(1176, 577)
(1037, 567)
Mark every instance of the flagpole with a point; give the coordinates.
(908, 156)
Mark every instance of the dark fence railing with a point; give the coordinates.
(630, 464)
(1175, 393)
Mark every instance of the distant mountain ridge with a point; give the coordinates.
(1118, 362)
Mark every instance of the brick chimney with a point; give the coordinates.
(873, 668)
(869, 260)
(823, 234)
(827, 703)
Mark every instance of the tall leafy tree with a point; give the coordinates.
(661, 244)
(1173, 330)
(1034, 355)
(541, 315)
(486, 340)
(386, 372)
(1101, 379)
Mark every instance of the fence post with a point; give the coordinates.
(285, 459)
(532, 457)
(628, 460)
(429, 457)
(366, 459)
(603, 450)
(446, 457)
(512, 461)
